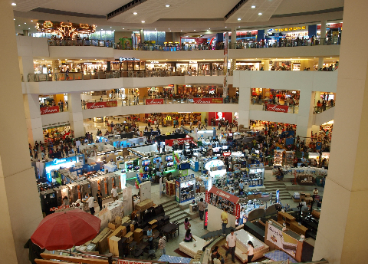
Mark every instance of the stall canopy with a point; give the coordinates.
(225, 195)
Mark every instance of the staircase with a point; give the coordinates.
(272, 186)
(173, 210)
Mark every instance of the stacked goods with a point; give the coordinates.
(138, 235)
(142, 206)
(101, 240)
(114, 238)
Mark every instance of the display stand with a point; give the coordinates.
(185, 189)
(289, 158)
(256, 175)
(278, 157)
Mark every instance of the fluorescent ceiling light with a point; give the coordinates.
(135, 13)
(143, 21)
(167, 5)
(239, 18)
(260, 14)
(13, 4)
(253, 6)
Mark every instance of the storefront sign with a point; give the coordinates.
(226, 154)
(170, 142)
(49, 110)
(337, 25)
(208, 100)
(154, 101)
(225, 195)
(290, 29)
(277, 108)
(128, 59)
(102, 104)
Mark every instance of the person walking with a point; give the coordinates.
(91, 204)
(201, 207)
(114, 193)
(187, 225)
(225, 220)
(231, 243)
(250, 251)
(162, 244)
(99, 199)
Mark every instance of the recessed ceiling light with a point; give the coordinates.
(14, 4)
(194, 30)
(209, 28)
(95, 59)
(253, 6)
(155, 29)
(101, 29)
(13, 18)
(29, 28)
(167, 5)
(260, 14)
(25, 23)
(80, 59)
(298, 57)
(225, 27)
(123, 28)
(31, 20)
(239, 18)
(110, 27)
(18, 25)
(143, 21)
(135, 13)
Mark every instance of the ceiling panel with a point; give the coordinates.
(299, 6)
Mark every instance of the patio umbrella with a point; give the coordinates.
(66, 229)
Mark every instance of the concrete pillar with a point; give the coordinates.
(323, 31)
(75, 114)
(304, 113)
(175, 88)
(233, 39)
(26, 66)
(55, 66)
(142, 35)
(320, 63)
(244, 98)
(342, 228)
(266, 65)
(20, 208)
(33, 118)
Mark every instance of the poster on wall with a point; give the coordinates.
(208, 100)
(49, 110)
(278, 108)
(126, 43)
(154, 101)
(102, 104)
(219, 116)
(282, 240)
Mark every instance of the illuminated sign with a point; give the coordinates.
(290, 29)
(219, 115)
(57, 161)
(128, 59)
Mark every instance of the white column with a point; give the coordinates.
(33, 118)
(304, 114)
(266, 65)
(233, 38)
(323, 31)
(320, 62)
(244, 104)
(75, 114)
(342, 228)
(20, 208)
(26, 66)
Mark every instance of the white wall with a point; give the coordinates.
(324, 117)
(214, 219)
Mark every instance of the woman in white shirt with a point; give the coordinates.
(250, 251)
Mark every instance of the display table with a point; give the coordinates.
(110, 167)
(189, 248)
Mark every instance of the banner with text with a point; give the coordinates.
(282, 240)
(277, 108)
(208, 100)
(49, 110)
(154, 101)
(102, 104)
(170, 142)
(123, 261)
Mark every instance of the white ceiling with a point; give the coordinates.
(299, 6)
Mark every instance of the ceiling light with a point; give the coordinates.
(239, 18)
(260, 14)
(225, 27)
(253, 6)
(13, 18)
(135, 13)
(80, 59)
(123, 28)
(29, 28)
(110, 27)
(167, 5)
(101, 29)
(31, 20)
(95, 59)
(25, 23)
(194, 30)
(209, 28)
(18, 25)
(14, 4)
(143, 21)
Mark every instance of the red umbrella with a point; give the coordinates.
(66, 229)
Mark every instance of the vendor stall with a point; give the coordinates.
(185, 188)
(216, 168)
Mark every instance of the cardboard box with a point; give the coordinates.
(111, 226)
(113, 245)
(142, 206)
(138, 235)
(129, 237)
(103, 245)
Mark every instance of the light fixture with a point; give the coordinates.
(25, 23)
(80, 59)
(143, 21)
(209, 28)
(29, 28)
(260, 14)
(253, 6)
(239, 18)
(18, 25)
(14, 4)
(194, 30)
(225, 27)
(31, 20)
(135, 13)
(101, 29)
(110, 27)
(13, 18)
(167, 5)
(123, 28)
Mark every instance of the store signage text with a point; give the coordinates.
(277, 108)
(170, 142)
(155, 62)
(102, 104)
(154, 101)
(57, 161)
(49, 110)
(128, 59)
(290, 29)
(208, 100)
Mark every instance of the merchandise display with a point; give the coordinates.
(185, 188)
(278, 157)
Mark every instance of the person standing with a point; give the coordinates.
(187, 225)
(150, 236)
(114, 193)
(99, 199)
(250, 251)
(91, 204)
(201, 207)
(162, 244)
(231, 243)
(225, 220)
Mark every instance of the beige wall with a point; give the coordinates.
(122, 34)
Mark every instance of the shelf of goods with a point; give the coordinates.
(278, 157)
(289, 158)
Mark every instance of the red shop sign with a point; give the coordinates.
(277, 108)
(49, 110)
(225, 195)
(170, 142)
(102, 104)
(154, 101)
(208, 100)
(226, 153)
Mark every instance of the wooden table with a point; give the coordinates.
(168, 229)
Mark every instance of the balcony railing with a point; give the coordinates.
(72, 76)
(281, 43)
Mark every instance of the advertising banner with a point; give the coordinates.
(282, 240)
(126, 43)
(154, 101)
(49, 110)
(277, 108)
(102, 104)
(208, 100)
(170, 142)
(225, 195)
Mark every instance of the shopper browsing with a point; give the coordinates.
(91, 204)
(114, 193)
(231, 243)
(187, 225)
(162, 244)
(201, 207)
(250, 251)
(99, 199)
(188, 236)
(216, 255)
(150, 236)
(224, 219)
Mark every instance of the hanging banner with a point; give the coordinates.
(277, 108)
(208, 100)
(102, 104)
(154, 101)
(49, 110)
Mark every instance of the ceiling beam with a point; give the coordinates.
(124, 8)
(234, 9)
